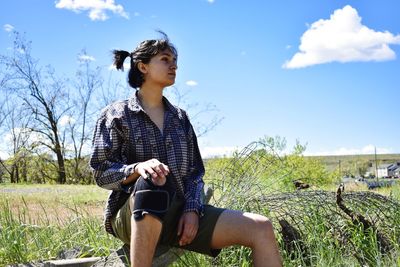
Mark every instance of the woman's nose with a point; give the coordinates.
(174, 66)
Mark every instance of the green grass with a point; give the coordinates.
(38, 222)
(47, 193)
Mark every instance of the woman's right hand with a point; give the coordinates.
(153, 169)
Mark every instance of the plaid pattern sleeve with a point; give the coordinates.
(194, 180)
(108, 163)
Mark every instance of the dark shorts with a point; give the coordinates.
(121, 224)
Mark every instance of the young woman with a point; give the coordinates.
(145, 151)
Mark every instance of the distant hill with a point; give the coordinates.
(355, 164)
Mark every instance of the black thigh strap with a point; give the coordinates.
(150, 199)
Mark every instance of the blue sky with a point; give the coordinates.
(323, 72)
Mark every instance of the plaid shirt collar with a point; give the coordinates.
(135, 105)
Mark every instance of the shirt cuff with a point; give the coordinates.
(194, 205)
(128, 188)
(129, 169)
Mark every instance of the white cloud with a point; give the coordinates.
(368, 149)
(210, 152)
(24, 134)
(4, 155)
(191, 83)
(70, 148)
(85, 58)
(8, 27)
(97, 8)
(342, 38)
(6, 144)
(64, 120)
(211, 1)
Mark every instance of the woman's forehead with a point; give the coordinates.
(167, 52)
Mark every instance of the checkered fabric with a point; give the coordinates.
(125, 135)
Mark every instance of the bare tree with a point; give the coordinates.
(18, 133)
(112, 89)
(196, 111)
(42, 93)
(81, 122)
(3, 116)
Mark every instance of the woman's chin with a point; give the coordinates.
(171, 82)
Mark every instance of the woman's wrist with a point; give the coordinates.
(135, 169)
(132, 176)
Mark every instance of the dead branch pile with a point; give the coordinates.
(351, 222)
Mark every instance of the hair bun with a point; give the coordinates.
(119, 58)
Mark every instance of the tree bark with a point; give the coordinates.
(61, 166)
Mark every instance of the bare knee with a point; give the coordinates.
(144, 237)
(148, 227)
(265, 225)
(263, 229)
(261, 222)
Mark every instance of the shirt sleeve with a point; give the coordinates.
(194, 181)
(107, 160)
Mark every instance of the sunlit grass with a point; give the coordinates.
(27, 237)
(67, 194)
(39, 221)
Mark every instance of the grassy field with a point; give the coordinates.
(353, 163)
(56, 202)
(37, 222)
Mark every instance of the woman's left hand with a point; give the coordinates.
(187, 227)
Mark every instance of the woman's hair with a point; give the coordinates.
(142, 53)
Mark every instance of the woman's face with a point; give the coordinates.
(161, 69)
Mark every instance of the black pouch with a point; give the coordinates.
(150, 199)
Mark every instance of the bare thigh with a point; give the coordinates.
(236, 228)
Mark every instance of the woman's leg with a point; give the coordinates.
(144, 237)
(146, 231)
(250, 230)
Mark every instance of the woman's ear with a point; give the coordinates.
(142, 67)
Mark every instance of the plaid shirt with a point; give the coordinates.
(125, 135)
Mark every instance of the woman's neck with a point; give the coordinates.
(150, 97)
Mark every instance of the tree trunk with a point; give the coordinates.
(24, 171)
(16, 173)
(61, 167)
(13, 174)
(57, 146)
